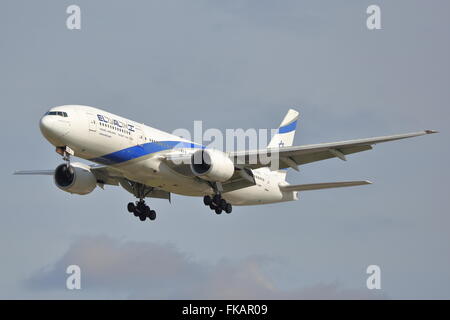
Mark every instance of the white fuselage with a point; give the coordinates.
(136, 151)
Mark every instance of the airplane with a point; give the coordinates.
(146, 161)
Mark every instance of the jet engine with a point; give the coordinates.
(75, 178)
(212, 165)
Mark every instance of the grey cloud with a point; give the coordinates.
(140, 270)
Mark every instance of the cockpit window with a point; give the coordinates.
(57, 113)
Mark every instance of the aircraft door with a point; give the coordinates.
(140, 139)
(92, 123)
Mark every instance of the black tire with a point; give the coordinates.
(152, 215)
(141, 206)
(207, 200)
(218, 211)
(131, 207)
(222, 204)
(228, 208)
(212, 206)
(216, 199)
(136, 213)
(142, 217)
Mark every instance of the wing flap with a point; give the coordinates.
(326, 154)
(242, 178)
(325, 185)
(107, 175)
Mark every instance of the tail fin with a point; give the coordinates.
(285, 135)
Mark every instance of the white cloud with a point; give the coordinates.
(141, 270)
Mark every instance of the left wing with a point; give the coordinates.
(105, 175)
(299, 155)
(35, 172)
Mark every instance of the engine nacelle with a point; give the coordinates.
(76, 178)
(212, 165)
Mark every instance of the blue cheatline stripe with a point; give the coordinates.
(288, 128)
(142, 150)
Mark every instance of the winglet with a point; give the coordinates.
(431, 131)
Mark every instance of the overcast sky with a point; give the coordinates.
(232, 64)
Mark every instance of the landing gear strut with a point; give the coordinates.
(217, 203)
(139, 208)
(65, 152)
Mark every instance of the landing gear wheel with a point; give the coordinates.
(212, 206)
(218, 210)
(216, 198)
(207, 200)
(131, 207)
(141, 210)
(222, 204)
(228, 208)
(141, 206)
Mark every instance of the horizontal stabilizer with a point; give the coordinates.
(326, 185)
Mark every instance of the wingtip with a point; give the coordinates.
(431, 131)
(368, 182)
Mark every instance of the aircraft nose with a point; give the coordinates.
(53, 128)
(44, 124)
(47, 125)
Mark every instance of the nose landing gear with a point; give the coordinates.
(217, 203)
(65, 152)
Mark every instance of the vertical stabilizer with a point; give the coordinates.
(286, 131)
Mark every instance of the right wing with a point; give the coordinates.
(299, 155)
(326, 185)
(180, 163)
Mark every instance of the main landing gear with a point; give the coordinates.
(217, 203)
(141, 210)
